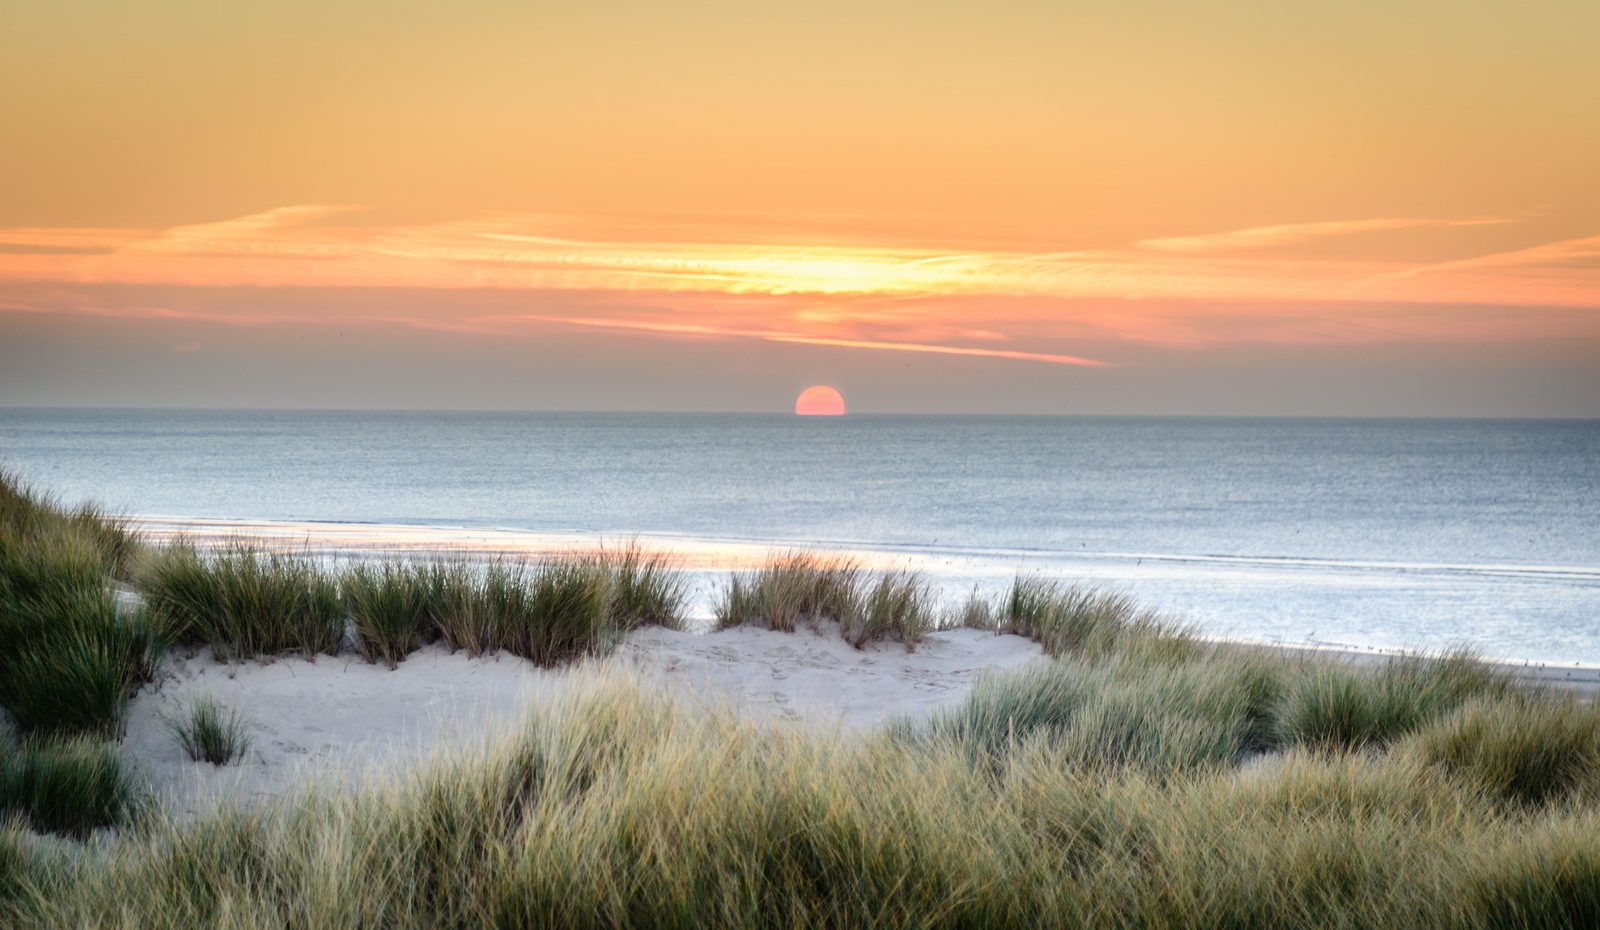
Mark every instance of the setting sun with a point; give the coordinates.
(819, 400)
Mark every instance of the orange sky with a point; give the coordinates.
(1158, 202)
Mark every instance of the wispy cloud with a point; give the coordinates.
(1035, 306)
(689, 329)
(1262, 237)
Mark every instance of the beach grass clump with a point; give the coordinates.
(27, 514)
(1068, 619)
(803, 587)
(70, 786)
(893, 605)
(794, 587)
(69, 658)
(245, 603)
(560, 614)
(1521, 749)
(393, 607)
(1123, 714)
(643, 589)
(1542, 873)
(210, 732)
(1337, 706)
(975, 613)
(548, 612)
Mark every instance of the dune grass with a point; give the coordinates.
(616, 807)
(1528, 750)
(244, 603)
(1124, 713)
(1139, 777)
(643, 589)
(69, 787)
(69, 660)
(209, 732)
(392, 608)
(547, 612)
(1336, 706)
(802, 587)
(27, 513)
(1067, 619)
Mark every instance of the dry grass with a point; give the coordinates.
(615, 807)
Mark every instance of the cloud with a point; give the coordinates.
(1261, 237)
(1017, 305)
(686, 329)
(185, 348)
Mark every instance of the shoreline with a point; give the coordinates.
(709, 559)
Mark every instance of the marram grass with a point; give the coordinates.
(71, 787)
(614, 806)
(69, 659)
(245, 603)
(800, 587)
(209, 732)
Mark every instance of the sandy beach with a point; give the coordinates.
(342, 719)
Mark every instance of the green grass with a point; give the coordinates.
(548, 612)
(209, 732)
(1126, 713)
(1337, 706)
(1067, 619)
(29, 514)
(643, 588)
(392, 607)
(801, 587)
(69, 660)
(245, 603)
(69, 787)
(1530, 750)
(895, 605)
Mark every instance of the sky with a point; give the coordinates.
(1228, 208)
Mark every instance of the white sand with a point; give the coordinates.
(341, 718)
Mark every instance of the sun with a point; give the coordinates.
(819, 400)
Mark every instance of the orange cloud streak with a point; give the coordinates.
(690, 329)
(1238, 285)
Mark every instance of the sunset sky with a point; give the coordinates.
(1365, 208)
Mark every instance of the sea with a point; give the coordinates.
(1371, 533)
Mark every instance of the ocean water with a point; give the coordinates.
(1382, 533)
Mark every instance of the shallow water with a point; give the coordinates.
(1382, 533)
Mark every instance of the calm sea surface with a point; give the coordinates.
(1363, 532)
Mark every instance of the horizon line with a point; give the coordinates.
(789, 414)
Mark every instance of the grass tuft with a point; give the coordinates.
(71, 787)
(1336, 706)
(895, 606)
(801, 587)
(643, 588)
(1073, 620)
(69, 659)
(392, 607)
(244, 603)
(1525, 750)
(208, 732)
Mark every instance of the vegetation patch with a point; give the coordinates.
(245, 603)
(69, 787)
(209, 732)
(801, 587)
